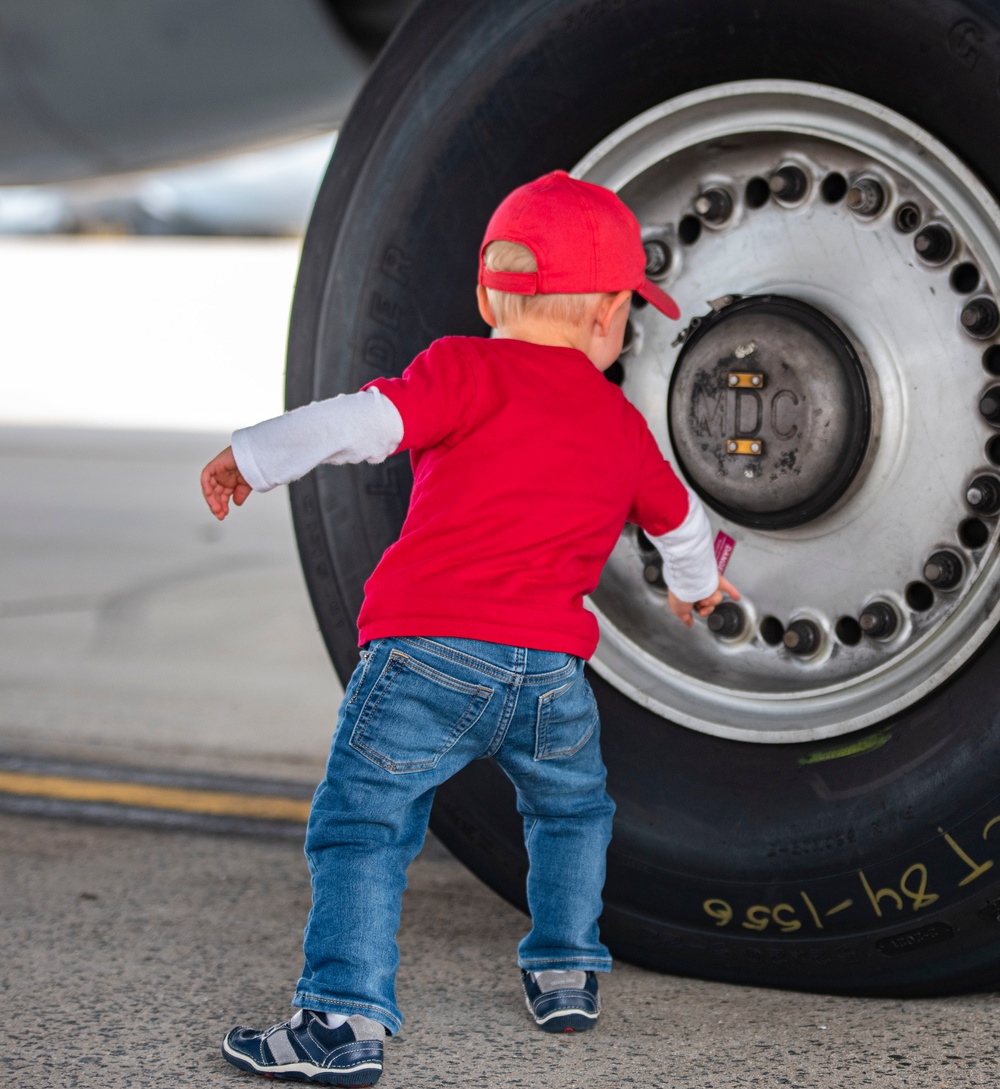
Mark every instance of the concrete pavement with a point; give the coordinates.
(126, 954)
(135, 628)
(142, 639)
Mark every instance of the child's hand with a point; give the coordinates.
(684, 610)
(221, 479)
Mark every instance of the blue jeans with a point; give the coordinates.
(414, 713)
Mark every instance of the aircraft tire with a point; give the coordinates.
(856, 860)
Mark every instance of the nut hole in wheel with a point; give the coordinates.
(919, 596)
(973, 533)
(757, 193)
(772, 631)
(848, 631)
(993, 450)
(964, 278)
(833, 187)
(991, 359)
(689, 230)
(907, 218)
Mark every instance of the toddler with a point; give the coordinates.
(527, 463)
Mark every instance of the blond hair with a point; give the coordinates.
(502, 256)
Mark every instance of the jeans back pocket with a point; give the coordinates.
(566, 720)
(414, 714)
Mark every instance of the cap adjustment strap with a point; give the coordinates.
(516, 283)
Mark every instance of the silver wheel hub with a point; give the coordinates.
(829, 397)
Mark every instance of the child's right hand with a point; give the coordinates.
(222, 479)
(684, 610)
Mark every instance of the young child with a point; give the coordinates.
(526, 465)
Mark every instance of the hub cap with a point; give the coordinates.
(769, 412)
(845, 258)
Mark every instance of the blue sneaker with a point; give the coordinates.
(304, 1049)
(562, 1001)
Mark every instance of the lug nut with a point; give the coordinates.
(866, 197)
(653, 574)
(714, 205)
(879, 620)
(984, 495)
(658, 257)
(788, 183)
(989, 404)
(934, 244)
(726, 620)
(943, 570)
(980, 318)
(802, 638)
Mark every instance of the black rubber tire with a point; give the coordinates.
(468, 101)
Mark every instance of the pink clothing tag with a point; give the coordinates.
(724, 545)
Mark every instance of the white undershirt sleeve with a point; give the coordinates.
(689, 567)
(342, 430)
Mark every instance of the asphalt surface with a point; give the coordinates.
(126, 954)
(145, 648)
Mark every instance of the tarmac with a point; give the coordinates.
(165, 709)
(135, 628)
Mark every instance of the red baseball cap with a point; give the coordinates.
(583, 237)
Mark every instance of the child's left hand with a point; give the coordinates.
(221, 480)
(684, 610)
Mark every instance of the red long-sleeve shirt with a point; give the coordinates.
(527, 463)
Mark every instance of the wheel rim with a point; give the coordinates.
(827, 202)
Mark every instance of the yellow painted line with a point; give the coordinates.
(146, 796)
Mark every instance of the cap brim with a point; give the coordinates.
(657, 297)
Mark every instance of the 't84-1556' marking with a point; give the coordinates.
(912, 891)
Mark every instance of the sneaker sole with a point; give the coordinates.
(564, 1020)
(356, 1077)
